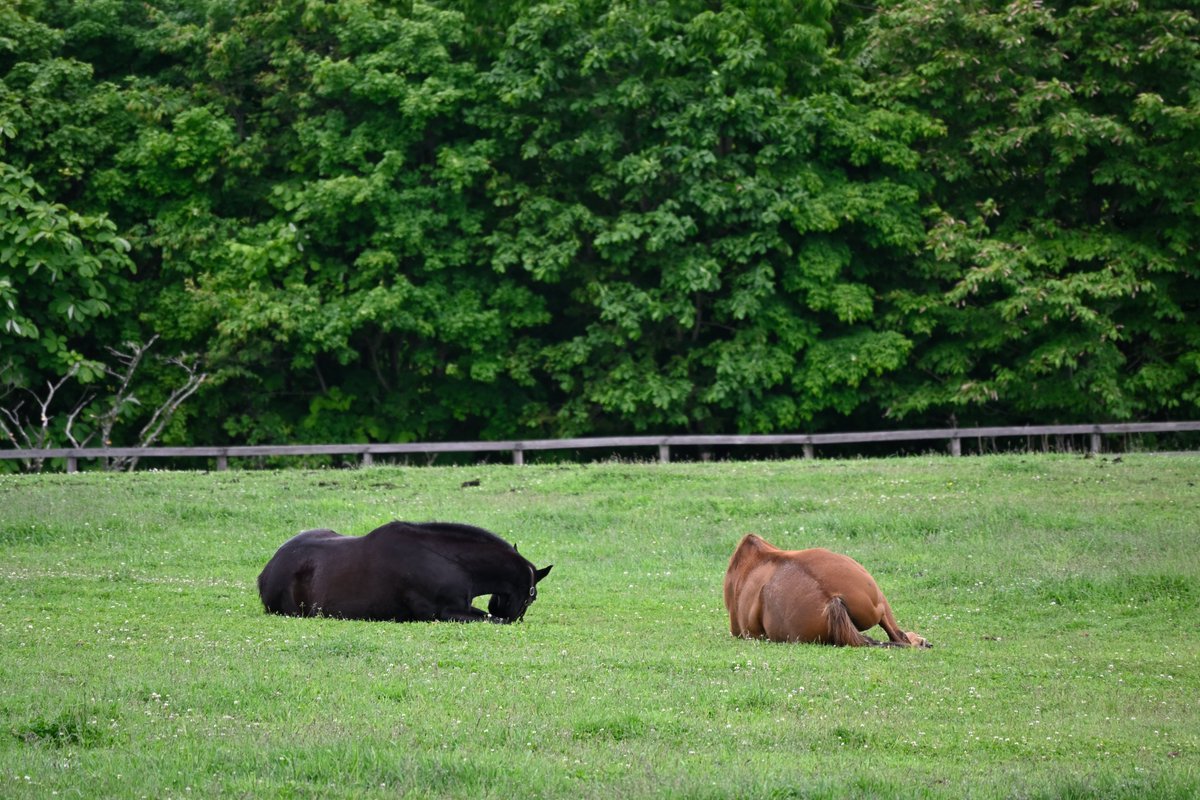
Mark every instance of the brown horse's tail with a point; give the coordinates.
(841, 630)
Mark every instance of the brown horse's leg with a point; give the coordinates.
(753, 623)
(896, 637)
(889, 624)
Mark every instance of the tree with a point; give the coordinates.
(58, 270)
(70, 287)
(648, 217)
(456, 219)
(1060, 276)
(708, 208)
(353, 301)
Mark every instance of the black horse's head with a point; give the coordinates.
(511, 606)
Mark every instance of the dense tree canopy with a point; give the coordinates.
(374, 220)
(1061, 262)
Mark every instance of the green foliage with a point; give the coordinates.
(587, 233)
(58, 269)
(679, 175)
(454, 220)
(352, 302)
(1061, 267)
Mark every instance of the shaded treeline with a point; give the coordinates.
(361, 220)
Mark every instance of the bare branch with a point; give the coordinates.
(164, 413)
(51, 390)
(82, 404)
(14, 418)
(131, 359)
(35, 433)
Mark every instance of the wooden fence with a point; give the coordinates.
(518, 448)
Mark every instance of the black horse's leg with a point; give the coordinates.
(469, 614)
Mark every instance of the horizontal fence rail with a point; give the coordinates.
(518, 448)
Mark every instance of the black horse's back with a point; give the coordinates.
(446, 533)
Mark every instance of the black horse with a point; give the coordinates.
(400, 572)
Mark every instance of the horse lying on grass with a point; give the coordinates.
(400, 572)
(806, 596)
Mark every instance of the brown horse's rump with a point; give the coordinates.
(806, 596)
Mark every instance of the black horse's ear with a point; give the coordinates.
(541, 573)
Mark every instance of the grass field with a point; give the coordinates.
(1061, 595)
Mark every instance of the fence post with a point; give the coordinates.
(72, 464)
(518, 456)
(222, 462)
(808, 450)
(367, 458)
(955, 446)
(664, 454)
(1095, 444)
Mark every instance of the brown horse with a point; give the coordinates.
(806, 596)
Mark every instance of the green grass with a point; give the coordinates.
(1061, 595)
